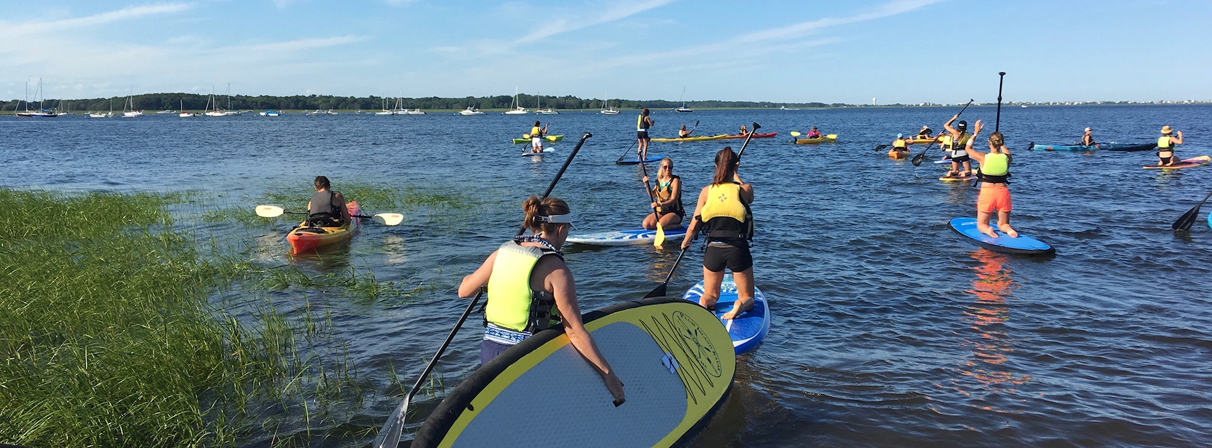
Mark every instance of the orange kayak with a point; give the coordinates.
(303, 238)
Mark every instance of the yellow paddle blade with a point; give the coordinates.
(795, 133)
(831, 136)
(388, 219)
(660, 236)
(525, 135)
(269, 211)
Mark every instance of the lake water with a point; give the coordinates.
(889, 329)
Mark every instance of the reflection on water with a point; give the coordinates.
(992, 345)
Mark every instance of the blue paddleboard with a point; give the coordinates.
(1209, 219)
(636, 160)
(625, 237)
(1023, 245)
(749, 329)
(527, 152)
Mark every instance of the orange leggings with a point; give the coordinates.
(993, 198)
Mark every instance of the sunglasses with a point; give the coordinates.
(666, 167)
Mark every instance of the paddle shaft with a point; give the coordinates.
(1001, 76)
(395, 423)
(651, 197)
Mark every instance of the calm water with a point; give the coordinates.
(889, 330)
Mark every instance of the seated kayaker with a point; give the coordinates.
(326, 208)
(536, 137)
(744, 131)
(813, 133)
(683, 133)
(668, 195)
(1165, 146)
(900, 145)
(925, 133)
(1088, 138)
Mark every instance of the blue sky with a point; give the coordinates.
(782, 51)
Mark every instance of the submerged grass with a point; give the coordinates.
(108, 336)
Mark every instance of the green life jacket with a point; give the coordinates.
(995, 169)
(1164, 143)
(511, 303)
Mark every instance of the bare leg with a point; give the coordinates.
(967, 168)
(649, 222)
(643, 150)
(711, 288)
(744, 293)
(670, 221)
(955, 166)
(1003, 224)
(982, 224)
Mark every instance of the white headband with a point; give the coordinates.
(556, 219)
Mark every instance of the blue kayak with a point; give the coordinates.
(1023, 245)
(1209, 219)
(636, 160)
(1113, 146)
(750, 328)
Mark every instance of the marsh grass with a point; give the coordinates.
(109, 337)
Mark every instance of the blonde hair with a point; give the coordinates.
(533, 208)
(997, 140)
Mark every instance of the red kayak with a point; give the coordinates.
(305, 238)
(766, 135)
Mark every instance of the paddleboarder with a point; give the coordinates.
(326, 208)
(536, 137)
(642, 123)
(668, 195)
(530, 289)
(954, 144)
(1088, 138)
(995, 195)
(723, 214)
(1166, 145)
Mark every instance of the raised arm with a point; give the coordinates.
(978, 156)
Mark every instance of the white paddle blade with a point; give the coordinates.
(388, 219)
(269, 211)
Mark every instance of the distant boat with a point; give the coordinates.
(471, 110)
(385, 111)
(1024, 106)
(416, 111)
(40, 112)
(166, 111)
(515, 107)
(684, 108)
(607, 110)
(101, 115)
(128, 109)
(269, 113)
(183, 113)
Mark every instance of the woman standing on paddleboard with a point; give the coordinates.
(536, 137)
(955, 144)
(995, 195)
(531, 289)
(1165, 146)
(668, 195)
(641, 133)
(723, 214)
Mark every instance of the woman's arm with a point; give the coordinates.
(978, 156)
(563, 287)
(472, 283)
(1178, 139)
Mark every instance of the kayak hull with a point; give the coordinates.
(546, 138)
(302, 239)
(813, 141)
(698, 138)
(1098, 146)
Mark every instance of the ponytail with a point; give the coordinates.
(533, 208)
(725, 166)
(997, 141)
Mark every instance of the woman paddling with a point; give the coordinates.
(531, 289)
(1088, 138)
(722, 213)
(326, 208)
(683, 133)
(1165, 146)
(641, 133)
(536, 137)
(744, 131)
(668, 195)
(995, 195)
(954, 144)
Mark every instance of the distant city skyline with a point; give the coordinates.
(899, 51)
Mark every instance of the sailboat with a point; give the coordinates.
(515, 107)
(684, 108)
(416, 111)
(40, 112)
(385, 111)
(128, 109)
(547, 111)
(185, 114)
(607, 110)
(101, 115)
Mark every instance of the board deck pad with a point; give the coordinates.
(750, 328)
(625, 237)
(672, 355)
(1024, 244)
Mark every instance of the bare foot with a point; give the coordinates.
(738, 308)
(707, 303)
(990, 232)
(1008, 231)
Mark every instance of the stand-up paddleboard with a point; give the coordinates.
(943, 160)
(636, 160)
(749, 329)
(672, 356)
(957, 179)
(625, 237)
(1209, 219)
(1023, 245)
(527, 153)
(1185, 163)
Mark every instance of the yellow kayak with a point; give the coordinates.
(699, 138)
(812, 141)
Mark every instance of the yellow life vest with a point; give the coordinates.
(639, 123)
(1163, 143)
(732, 218)
(946, 144)
(899, 143)
(996, 165)
(511, 303)
(536, 132)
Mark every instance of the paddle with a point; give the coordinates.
(273, 211)
(389, 436)
(1185, 221)
(879, 147)
(917, 159)
(662, 288)
(1001, 76)
(660, 236)
(625, 151)
(692, 128)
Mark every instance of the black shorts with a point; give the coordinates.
(734, 256)
(961, 159)
(642, 135)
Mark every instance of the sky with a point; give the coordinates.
(894, 51)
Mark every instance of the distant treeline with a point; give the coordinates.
(189, 101)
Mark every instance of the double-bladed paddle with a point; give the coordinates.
(1185, 221)
(917, 159)
(389, 436)
(662, 288)
(273, 211)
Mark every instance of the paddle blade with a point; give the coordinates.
(1185, 221)
(659, 291)
(795, 133)
(877, 148)
(269, 211)
(388, 219)
(660, 236)
(917, 159)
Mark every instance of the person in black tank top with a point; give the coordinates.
(326, 208)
